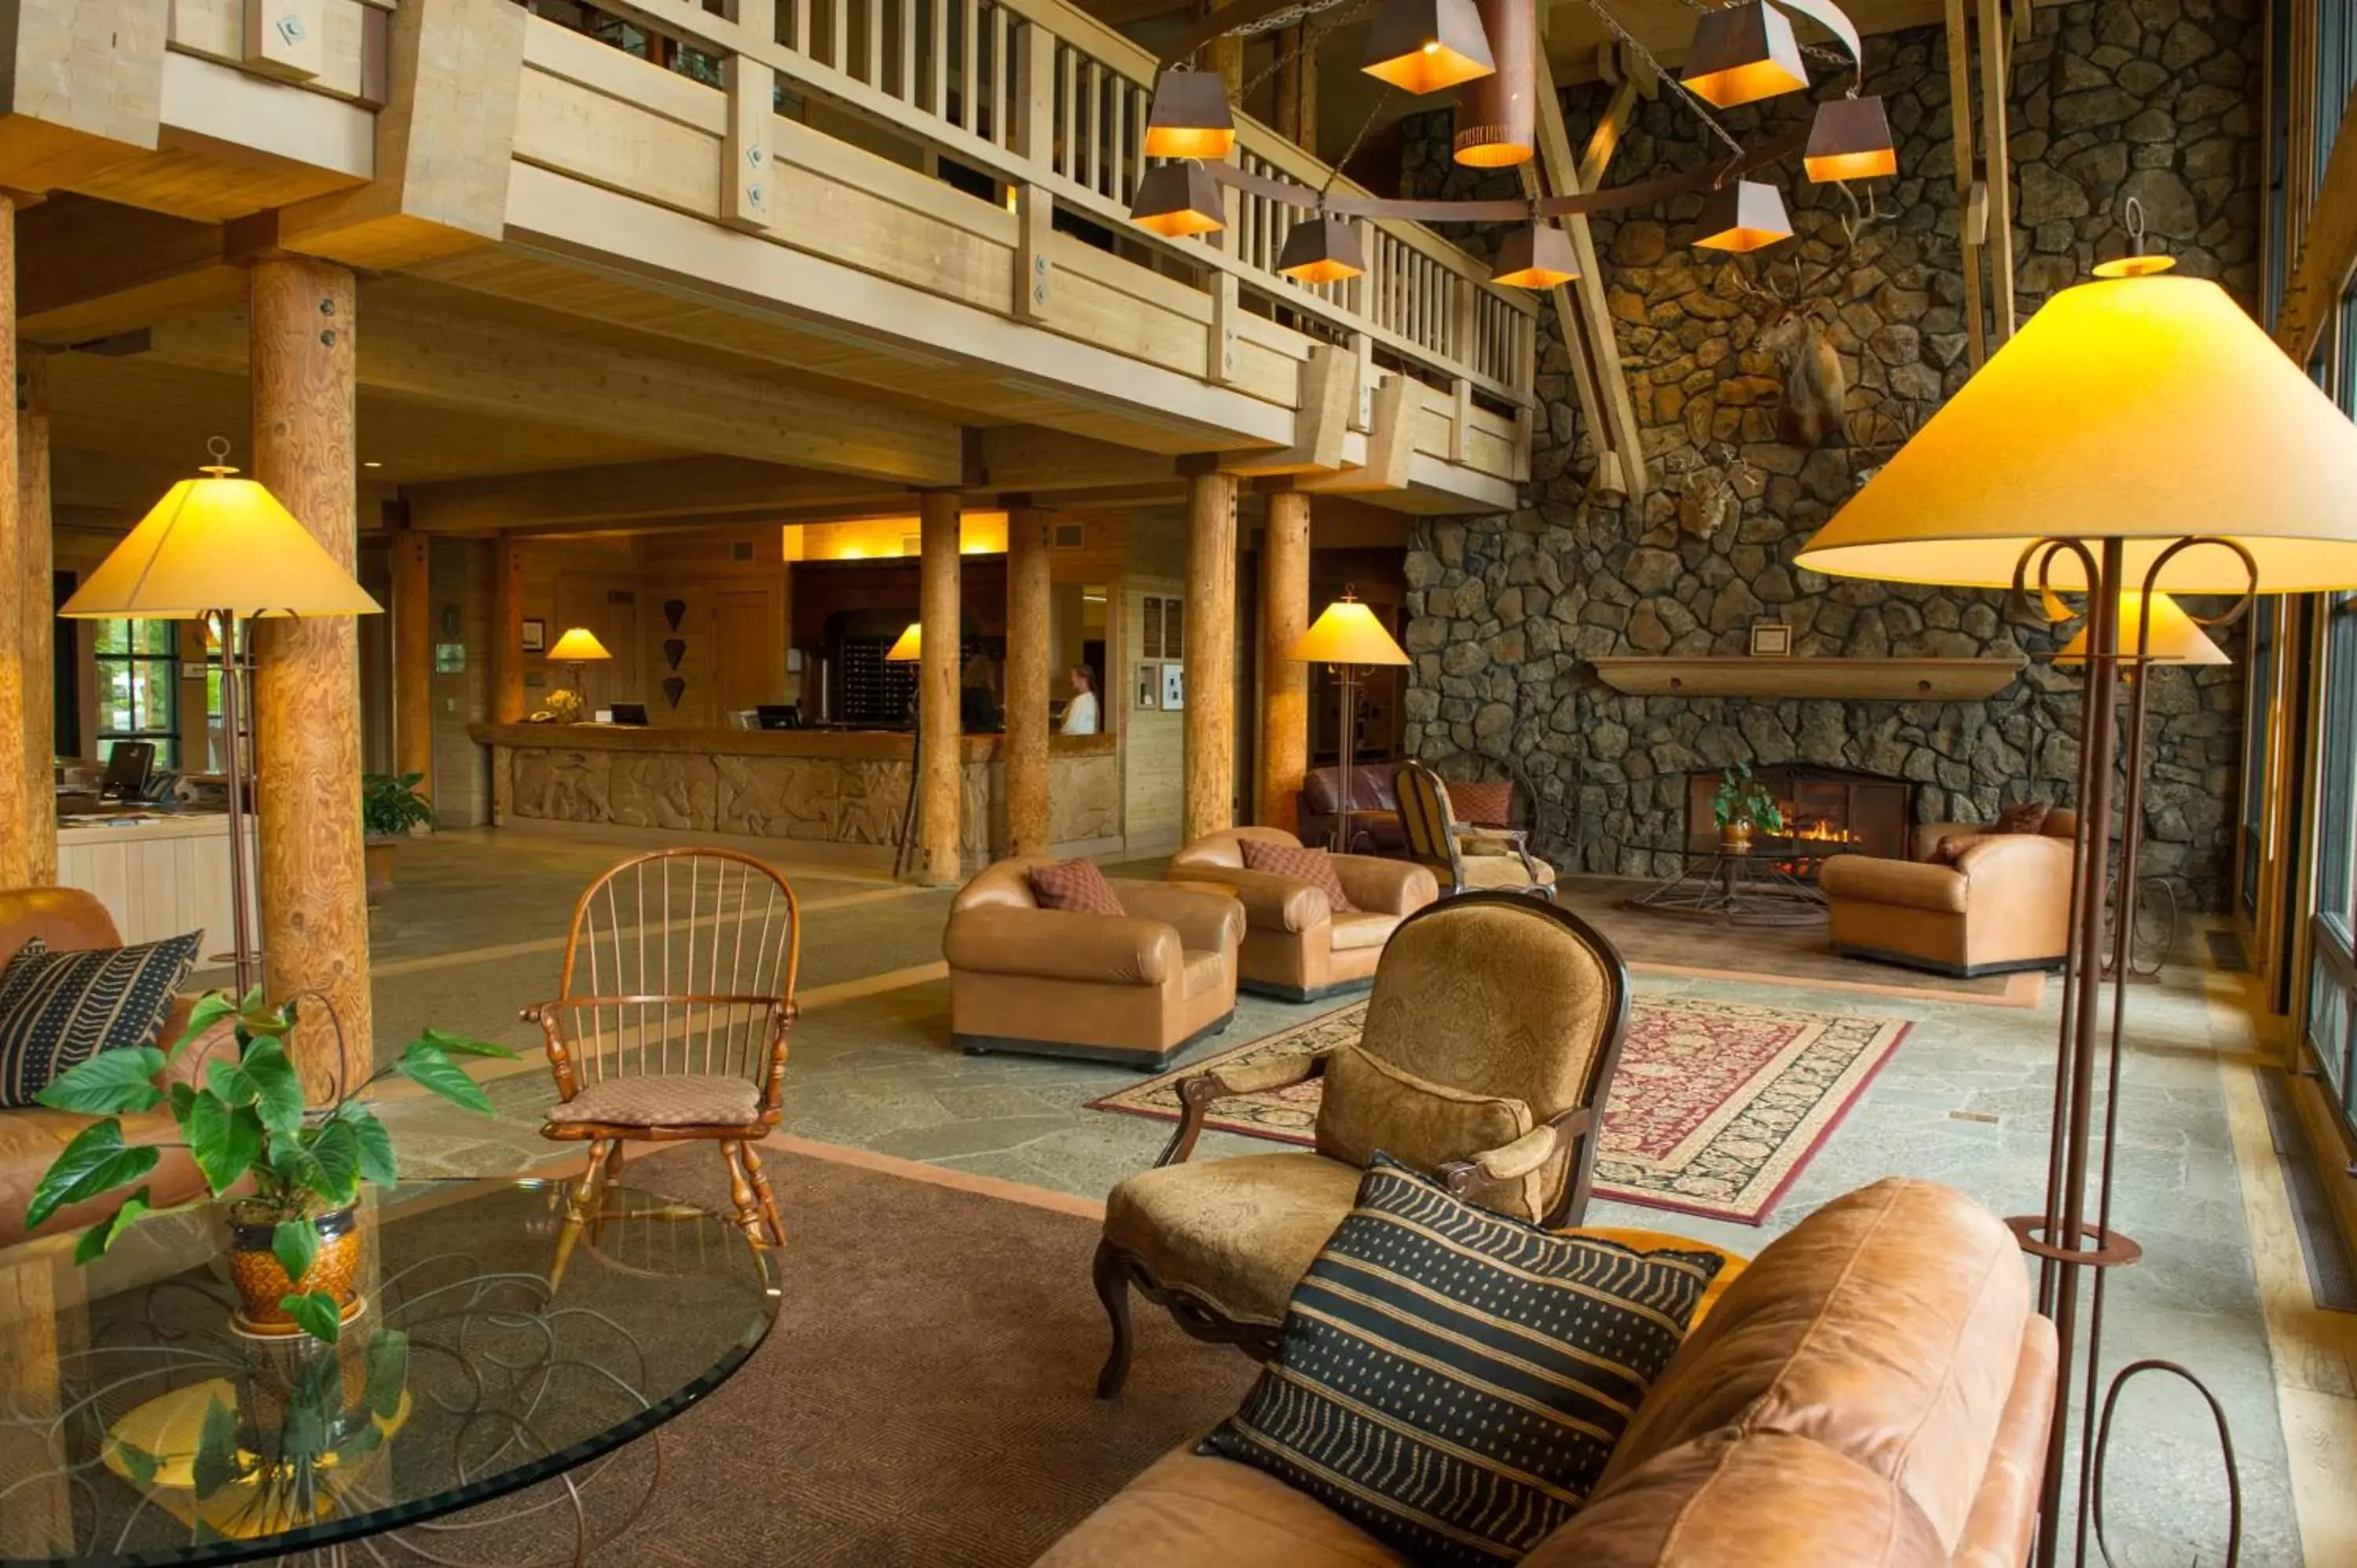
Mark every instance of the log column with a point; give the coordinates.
(412, 657)
(1210, 654)
(17, 830)
(1029, 682)
(939, 786)
(307, 673)
(507, 632)
(38, 647)
(1284, 681)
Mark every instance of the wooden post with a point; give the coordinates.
(1210, 654)
(36, 559)
(940, 786)
(1284, 681)
(16, 832)
(413, 656)
(1029, 682)
(307, 673)
(507, 632)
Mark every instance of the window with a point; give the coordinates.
(139, 687)
(2256, 778)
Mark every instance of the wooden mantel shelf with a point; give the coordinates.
(1871, 679)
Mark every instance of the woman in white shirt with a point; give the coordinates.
(1081, 713)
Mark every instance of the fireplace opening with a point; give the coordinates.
(1826, 811)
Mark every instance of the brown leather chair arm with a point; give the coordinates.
(1386, 886)
(1928, 835)
(2021, 880)
(1271, 903)
(1906, 883)
(1205, 921)
(1063, 944)
(1198, 1094)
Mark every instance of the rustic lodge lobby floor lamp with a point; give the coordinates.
(224, 552)
(2141, 435)
(1345, 636)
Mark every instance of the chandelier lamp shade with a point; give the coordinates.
(1850, 139)
(1537, 255)
(1424, 46)
(1741, 54)
(1323, 249)
(1742, 215)
(1189, 117)
(1176, 200)
(1497, 114)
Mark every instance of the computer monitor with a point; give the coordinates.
(630, 713)
(779, 715)
(129, 767)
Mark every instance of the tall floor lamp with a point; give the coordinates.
(908, 649)
(222, 551)
(1345, 637)
(2139, 435)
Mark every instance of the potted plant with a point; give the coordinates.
(1741, 805)
(295, 1169)
(390, 808)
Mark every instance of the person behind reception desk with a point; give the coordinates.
(1080, 714)
(978, 711)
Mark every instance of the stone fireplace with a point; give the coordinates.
(1866, 813)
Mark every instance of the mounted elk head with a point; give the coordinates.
(1815, 390)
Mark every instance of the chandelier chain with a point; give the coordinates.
(1693, 101)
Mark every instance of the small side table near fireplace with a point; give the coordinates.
(1772, 881)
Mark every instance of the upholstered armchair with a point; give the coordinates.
(1462, 856)
(1297, 944)
(2003, 904)
(1136, 988)
(1488, 1045)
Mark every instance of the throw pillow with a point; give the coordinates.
(1486, 804)
(2023, 817)
(1075, 885)
(1314, 866)
(1950, 850)
(1366, 1104)
(60, 1009)
(1453, 1381)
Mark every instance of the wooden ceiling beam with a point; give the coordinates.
(88, 270)
(699, 489)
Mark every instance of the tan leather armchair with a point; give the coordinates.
(2004, 905)
(1490, 1043)
(1296, 945)
(1136, 989)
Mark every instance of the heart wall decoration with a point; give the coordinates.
(675, 611)
(675, 650)
(673, 687)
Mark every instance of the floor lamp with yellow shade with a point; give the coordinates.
(908, 649)
(2140, 437)
(1345, 637)
(222, 551)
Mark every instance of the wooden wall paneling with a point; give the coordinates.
(1031, 685)
(413, 656)
(507, 631)
(307, 678)
(37, 646)
(938, 791)
(1209, 653)
(1283, 681)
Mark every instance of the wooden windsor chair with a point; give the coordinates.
(671, 1022)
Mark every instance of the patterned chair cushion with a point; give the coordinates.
(60, 1009)
(2023, 817)
(1951, 850)
(1239, 1233)
(1453, 1381)
(1505, 870)
(1314, 866)
(1074, 884)
(1487, 802)
(665, 1099)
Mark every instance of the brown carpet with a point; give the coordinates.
(927, 1397)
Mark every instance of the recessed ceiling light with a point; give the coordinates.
(371, 465)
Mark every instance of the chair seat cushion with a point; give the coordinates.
(1238, 1232)
(1362, 929)
(665, 1099)
(1505, 870)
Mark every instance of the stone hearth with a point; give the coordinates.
(1864, 813)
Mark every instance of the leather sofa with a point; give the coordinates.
(69, 919)
(1321, 796)
(1296, 946)
(1873, 1392)
(2004, 904)
(1136, 988)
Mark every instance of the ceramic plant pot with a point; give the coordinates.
(376, 854)
(262, 1280)
(1736, 837)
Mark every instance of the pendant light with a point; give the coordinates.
(1742, 215)
(1741, 54)
(1850, 139)
(1537, 255)
(1497, 114)
(1189, 117)
(1422, 46)
(1323, 250)
(1179, 200)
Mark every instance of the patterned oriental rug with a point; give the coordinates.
(1716, 1107)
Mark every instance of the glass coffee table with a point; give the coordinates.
(1773, 882)
(137, 1426)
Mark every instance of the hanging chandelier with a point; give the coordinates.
(1488, 51)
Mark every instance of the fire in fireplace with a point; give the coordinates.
(1863, 813)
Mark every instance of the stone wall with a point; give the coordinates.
(2154, 99)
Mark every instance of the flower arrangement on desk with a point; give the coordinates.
(1741, 805)
(296, 1245)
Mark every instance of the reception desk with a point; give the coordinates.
(816, 787)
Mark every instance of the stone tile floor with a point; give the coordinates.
(1965, 1099)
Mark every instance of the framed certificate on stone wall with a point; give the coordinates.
(1149, 621)
(1174, 637)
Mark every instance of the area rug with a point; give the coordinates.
(1716, 1107)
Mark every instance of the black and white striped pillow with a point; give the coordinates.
(60, 1009)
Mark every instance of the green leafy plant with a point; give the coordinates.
(249, 1123)
(1743, 798)
(390, 805)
